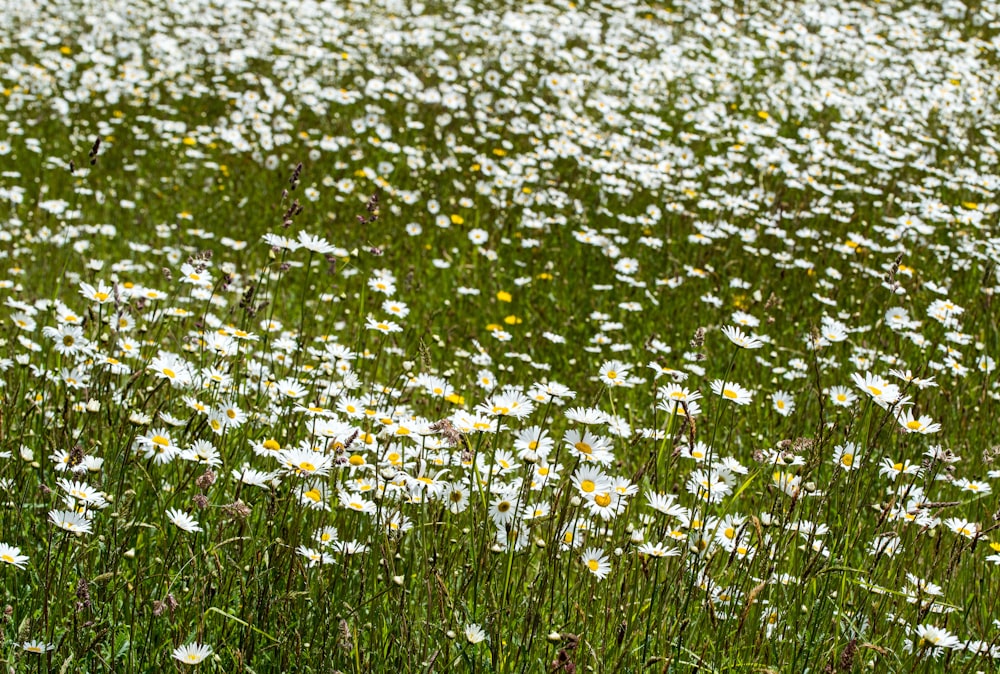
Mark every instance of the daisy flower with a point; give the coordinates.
(698, 452)
(657, 550)
(596, 562)
(586, 415)
(474, 634)
(82, 492)
(38, 647)
(456, 496)
(841, 396)
(327, 536)
(962, 527)
(171, 367)
(879, 389)
(614, 373)
(355, 502)
(11, 555)
(606, 504)
(592, 447)
(664, 503)
(974, 486)
(741, 339)
(732, 391)
(784, 404)
(314, 556)
(192, 654)
(934, 639)
(744, 319)
(503, 510)
(183, 521)
(845, 457)
(910, 424)
(888, 545)
(314, 244)
(158, 445)
(305, 462)
(892, 470)
(382, 326)
(70, 520)
(591, 480)
(102, 294)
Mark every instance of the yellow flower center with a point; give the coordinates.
(603, 500)
(160, 440)
(583, 447)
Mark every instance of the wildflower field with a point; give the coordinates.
(618, 336)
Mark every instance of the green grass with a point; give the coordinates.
(828, 175)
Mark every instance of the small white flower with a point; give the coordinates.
(192, 654)
(474, 633)
(183, 521)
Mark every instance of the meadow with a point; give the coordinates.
(558, 337)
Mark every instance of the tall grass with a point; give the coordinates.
(560, 338)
